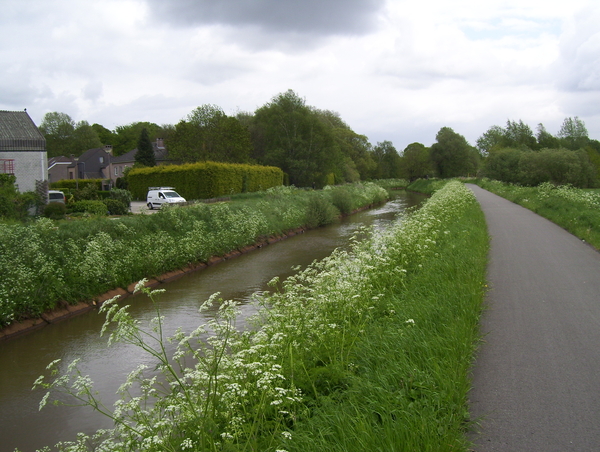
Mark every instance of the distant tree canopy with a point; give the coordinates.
(572, 135)
(65, 137)
(525, 167)
(316, 147)
(452, 155)
(209, 134)
(125, 138)
(416, 162)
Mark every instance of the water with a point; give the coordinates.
(22, 360)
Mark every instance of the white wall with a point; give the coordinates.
(29, 167)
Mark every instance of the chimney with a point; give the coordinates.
(108, 149)
(160, 143)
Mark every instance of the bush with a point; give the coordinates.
(116, 206)
(89, 206)
(121, 195)
(55, 210)
(320, 212)
(87, 192)
(531, 168)
(342, 200)
(14, 205)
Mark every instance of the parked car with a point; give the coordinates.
(157, 196)
(56, 196)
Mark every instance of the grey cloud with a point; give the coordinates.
(310, 17)
(93, 90)
(579, 62)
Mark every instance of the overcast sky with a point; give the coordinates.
(393, 69)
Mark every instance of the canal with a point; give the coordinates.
(22, 360)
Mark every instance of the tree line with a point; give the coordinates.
(316, 147)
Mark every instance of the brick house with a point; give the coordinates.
(22, 150)
(99, 163)
(127, 160)
(58, 168)
(92, 164)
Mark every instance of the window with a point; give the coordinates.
(7, 166)
(101, 159)
(116, 170)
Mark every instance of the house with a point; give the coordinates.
(92, 164)
(99, 163)
(127, 160)
(58, 168)
(22, 150)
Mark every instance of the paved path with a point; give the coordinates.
(536, 380)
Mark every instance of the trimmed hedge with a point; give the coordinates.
(204, 180)
(71, 184)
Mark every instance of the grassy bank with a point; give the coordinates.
(46, 263)
(574, 209)
(426, 186)
(365, 350)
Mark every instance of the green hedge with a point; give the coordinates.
(204, 180)
(72, 184)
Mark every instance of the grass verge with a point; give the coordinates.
(574, 209)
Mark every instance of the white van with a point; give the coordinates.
(157, 196)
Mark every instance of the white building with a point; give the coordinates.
(22, 150)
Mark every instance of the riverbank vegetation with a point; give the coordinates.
(46, 263)
(368, 349)
(576, 210)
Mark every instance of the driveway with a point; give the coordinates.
(536, 379)
(141, 207)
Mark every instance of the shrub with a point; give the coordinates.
(87, 192)
(121, 195)
(89, 206)
(319, 211)
(55, 210)
(14, 205)
(342, 200)
(115, 206)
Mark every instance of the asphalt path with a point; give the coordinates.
(536, 378)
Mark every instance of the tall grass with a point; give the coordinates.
(368, 349)
(46, 262)
(576, 210)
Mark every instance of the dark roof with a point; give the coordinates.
(19, 133)
(125, 158)
(160, 154)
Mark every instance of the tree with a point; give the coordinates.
(354, 160)
(126, 137)
(516, 135)
(145, 153)
(106, 136)
(292, 136)
(65, 137)
(545, 139)
(58, 129)
(387, 160)
(519, 135)
(209, 134)
(452, 155)
(573, 133)
(415, 162)
(494, 137)
(85, 137)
